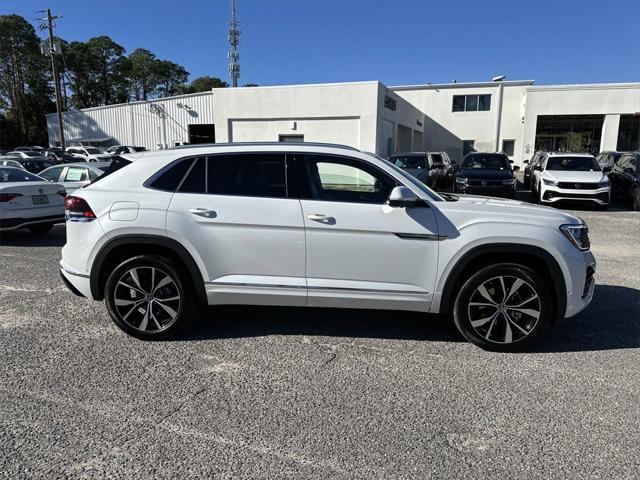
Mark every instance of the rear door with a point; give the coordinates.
(360, 251)
(233, 210)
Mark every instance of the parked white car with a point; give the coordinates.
(27, 200)
(321, 226)
(570, 176)
(90, 154)
(75, 175)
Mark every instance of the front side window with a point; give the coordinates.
(345, 180)
(15, 175)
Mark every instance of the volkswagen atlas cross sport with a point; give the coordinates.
(317, 225)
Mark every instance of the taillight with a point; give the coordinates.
(78, 210)
(5, 197)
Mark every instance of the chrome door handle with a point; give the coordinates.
(203, 212)
(320, 217)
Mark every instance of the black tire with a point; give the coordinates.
(41, 228)
(635, 199)
(494, 334)
(134, 305)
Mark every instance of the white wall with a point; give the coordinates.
(133, 123)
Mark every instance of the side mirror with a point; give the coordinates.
(526, 162)
(511, 161)
(403, 197)
(516, 168)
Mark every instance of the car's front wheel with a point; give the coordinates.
(150, 297)
(503, 307)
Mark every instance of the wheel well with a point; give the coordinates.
(118, 251)
(542, 264)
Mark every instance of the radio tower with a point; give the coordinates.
(234, 39)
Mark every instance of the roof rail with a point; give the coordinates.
(240, 144)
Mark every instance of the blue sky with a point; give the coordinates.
(397, 42)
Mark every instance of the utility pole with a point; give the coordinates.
(54, 68)
(234, 39)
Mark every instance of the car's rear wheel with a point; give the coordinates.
(149, 297)
(503, 307)
(41, 228)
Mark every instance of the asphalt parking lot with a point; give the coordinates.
(295, 393)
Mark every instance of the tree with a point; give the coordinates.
(25, 93)
(170, 78)
(251, 85)
(142, 78)
(206, 83)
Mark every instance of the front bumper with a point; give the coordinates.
(600, 196)
(582, 267)
(492, 191)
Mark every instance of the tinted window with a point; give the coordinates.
(576, 164)
(116, 164)
(487, 161)
(15, 175)
(344, 180)
(508, 147)
(409, 161)
(194, 181)
(484, 103)
(472, 103)
(458, 103)
(255, 175)
(170, 178)
(52, 174)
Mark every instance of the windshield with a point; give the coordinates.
(487, 162)
(573, 164)
(409, 161)
(32, 154)
(16, 175)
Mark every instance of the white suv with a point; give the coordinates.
(570, 176)
(322, 226)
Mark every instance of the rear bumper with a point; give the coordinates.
(19, 222)
(75, 281)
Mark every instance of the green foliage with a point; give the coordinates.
(206, 83)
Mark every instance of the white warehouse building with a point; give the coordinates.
(517, 117)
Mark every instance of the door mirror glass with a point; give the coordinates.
(403, 197)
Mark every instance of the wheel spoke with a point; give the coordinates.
(514, 288)
(527, 311)
(504, 290)
(482, 321)
(153, 317)
(165, 281)
(124, 284)
(134, 274)
(123, 303)
(493, 322)
(512, 322)
(508, 333)
(135, 307)
(168, 299)
(482, 304)
(483, 291)
(153, 279)
(167, 309)
(522, 303)
(145, 319)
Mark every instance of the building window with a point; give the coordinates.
(468, 146)
(471, 103)
(291, 138)
(508, 147)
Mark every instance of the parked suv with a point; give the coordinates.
(90, 154)
(625, 178)
(486, 174)
(570, 176)
(321, 226)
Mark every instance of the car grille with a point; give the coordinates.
(549, 194)
(484, 183)
(578, 186)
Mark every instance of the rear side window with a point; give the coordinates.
(171, 178)
(194, 182)
(253, 175)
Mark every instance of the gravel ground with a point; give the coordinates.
(296, 393)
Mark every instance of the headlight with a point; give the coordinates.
(551, 183)
(578, 235)
(461, 180)
(511, 181)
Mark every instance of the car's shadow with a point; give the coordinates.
(24, 238)
(612, 321)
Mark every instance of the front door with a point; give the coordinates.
(233, 210)
(360, 251)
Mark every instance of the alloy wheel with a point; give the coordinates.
(504, 309)
(147, 299)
